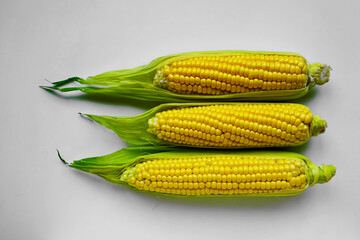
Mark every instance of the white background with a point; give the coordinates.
(40, 198)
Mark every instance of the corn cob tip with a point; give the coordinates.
(329, 171)
(319, 74)
(317, 126)
(324, 173)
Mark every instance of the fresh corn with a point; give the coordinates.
(235, 125)
(204, 173)
(209, 76)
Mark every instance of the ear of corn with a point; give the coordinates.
(209, 76)
(227, 125)
(205, 173)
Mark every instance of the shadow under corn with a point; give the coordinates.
(95, 98)
(217, 202)
(146, 105)
(119, 101)
(298, 149)
(307, 98)
(226, 202)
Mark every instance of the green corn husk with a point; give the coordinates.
(138, 83)
(117, 168)
(135, 130)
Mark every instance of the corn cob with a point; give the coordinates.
(204, 173)
(210, 76)
(235, 125)
(217, 75)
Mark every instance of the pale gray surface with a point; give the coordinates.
(43, 199)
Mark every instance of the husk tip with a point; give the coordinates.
(85, 115)
(48, 88)
(62, 160)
